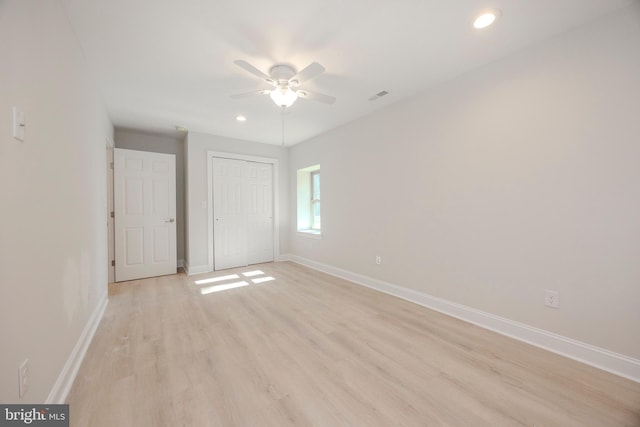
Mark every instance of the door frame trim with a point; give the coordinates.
(276, 198)
(111, 234)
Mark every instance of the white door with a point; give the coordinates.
(260, 212)
(242, 213)
(145, 212)
(229, 213)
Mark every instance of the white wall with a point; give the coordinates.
(197, 145)
(518, 177)
(157, 143)
(53, 250)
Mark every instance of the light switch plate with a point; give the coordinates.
(18, 124)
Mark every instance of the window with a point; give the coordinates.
(315, 200)
(308, 203)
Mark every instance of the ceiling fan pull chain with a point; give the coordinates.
(283, 126)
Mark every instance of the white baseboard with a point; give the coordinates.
(283, 257)
(62, 387)
(180, 263)
(606, 360)
(196, 269)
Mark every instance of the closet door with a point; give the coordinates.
(260, 212)
(242, 213)
(229, 213)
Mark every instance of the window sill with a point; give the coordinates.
(312, 234)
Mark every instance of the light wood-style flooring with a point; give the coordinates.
(308, 349)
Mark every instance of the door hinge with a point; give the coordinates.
(113, 263)
(112, 214)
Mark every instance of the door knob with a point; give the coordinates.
(170, 220)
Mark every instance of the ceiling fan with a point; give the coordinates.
(285, 82)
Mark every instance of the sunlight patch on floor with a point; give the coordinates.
(218, 288)
(262, 279)
(217, 279)
(254, 275)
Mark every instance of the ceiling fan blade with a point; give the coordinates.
(312, 70)
(252, 93)
(314, 96)
(253, 70)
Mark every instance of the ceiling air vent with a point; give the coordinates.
(379, 95)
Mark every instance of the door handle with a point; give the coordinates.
(170, 220)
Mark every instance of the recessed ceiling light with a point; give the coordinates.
(486, 18)
(241, 118)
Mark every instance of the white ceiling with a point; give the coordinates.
(161, 63)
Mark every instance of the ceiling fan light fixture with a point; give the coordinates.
(485, 19)
(283, 96)
(285, 83)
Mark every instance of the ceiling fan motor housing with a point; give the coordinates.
(281, 72)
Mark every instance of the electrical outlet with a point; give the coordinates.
(378, 259)
(551, 299)
(23, 377)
